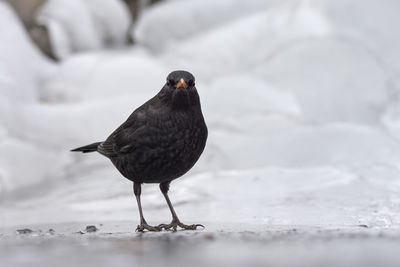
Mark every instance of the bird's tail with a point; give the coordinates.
(88, 148)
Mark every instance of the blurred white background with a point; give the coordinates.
(300, 96)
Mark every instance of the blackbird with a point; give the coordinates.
(159, 142)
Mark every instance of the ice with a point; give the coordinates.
(25, 165)
(391, 120)
(112, 20)
(79, 38)
(95, 25)
(333, 196)
(351, 86)
(283, 89)
(19, 77)
(104, 75)
(375, 34)
(300, 98)
(248, 42)
(22, 70)
(164, 25)
(259, 98)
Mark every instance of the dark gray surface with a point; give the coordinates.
(114, 244)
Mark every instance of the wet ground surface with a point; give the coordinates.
(116, 243)
(268, 217)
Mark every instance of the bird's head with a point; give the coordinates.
(180, 79)
(180, 90)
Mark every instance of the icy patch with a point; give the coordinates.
(322, 196)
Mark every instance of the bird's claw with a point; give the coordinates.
(144, 226)
(174, 225)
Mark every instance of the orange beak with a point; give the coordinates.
(181, 83)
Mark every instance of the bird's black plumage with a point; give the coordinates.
(162, 139)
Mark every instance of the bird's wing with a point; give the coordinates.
(122, 139)
(125, 137)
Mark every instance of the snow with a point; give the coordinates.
(247, 42)
(101, 24)
(22, 70)
(104, 75)
(15, 71)
(196, 16)
(375, 34)
(338, 92)
(300, 97)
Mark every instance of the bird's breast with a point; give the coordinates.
(171, 147)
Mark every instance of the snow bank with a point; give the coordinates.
(167, 23)
(243, 44)
(333, 79)
(22, 70)
(371, 23)
(22, 67)
(295, 94)
(89, 77)
(77, 25)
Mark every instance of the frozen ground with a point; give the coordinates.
(302, 163)
(254, 246)
(257, 217)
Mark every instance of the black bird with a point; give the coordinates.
(159, 142)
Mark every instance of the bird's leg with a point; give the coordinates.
(164, 187)
(137, 189)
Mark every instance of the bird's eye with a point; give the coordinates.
(170, 82)
(191, 83)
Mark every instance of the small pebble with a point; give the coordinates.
(24, 231)
(51, 231)
(91, 228)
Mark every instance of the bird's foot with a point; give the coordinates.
(176, 223)
(144, 226)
